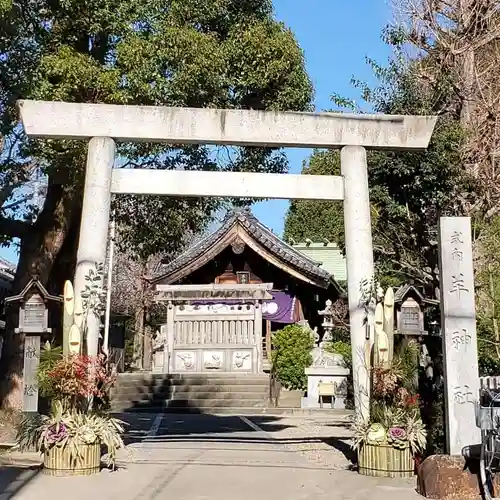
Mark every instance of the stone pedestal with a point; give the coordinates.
(316, 374)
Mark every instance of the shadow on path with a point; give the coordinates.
(14, 479)
(224, 430)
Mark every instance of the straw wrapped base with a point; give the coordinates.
(57, 461)
(383, 460)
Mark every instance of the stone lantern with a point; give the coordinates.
(328, 323)
(327, 371)
(33, 323)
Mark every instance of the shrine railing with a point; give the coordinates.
(200, 325)
(213, 327)
(491, 382)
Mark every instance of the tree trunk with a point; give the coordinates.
(40, 248)
(468, 95)
(138, 336)
(148, 348)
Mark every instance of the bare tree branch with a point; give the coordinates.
(462, 39)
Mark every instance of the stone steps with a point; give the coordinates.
(204, 405)
(201, 404)
(186, 393)
(133, 378)
(159, 392)
(133, 391)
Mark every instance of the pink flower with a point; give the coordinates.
(397, 433)
(56, 433)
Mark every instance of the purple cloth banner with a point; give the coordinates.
(280, 309)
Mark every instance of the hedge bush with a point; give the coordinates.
(291, 355)
(343, 348)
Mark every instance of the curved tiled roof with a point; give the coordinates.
(401, 293)
(260, 234)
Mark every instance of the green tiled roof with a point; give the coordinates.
(328, 254)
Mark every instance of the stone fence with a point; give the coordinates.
(492, 382)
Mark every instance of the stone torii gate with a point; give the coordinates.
(104, 124)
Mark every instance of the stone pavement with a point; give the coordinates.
(207, 457)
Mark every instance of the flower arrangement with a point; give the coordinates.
(75, 380)
(71, 429)
(394, 407)
(77, 386)
(399, 429)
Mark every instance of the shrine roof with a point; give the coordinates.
(34, 283)
(404, 290)
(242, 225)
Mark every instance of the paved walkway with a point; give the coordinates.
(205, 457)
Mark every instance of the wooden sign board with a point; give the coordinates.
(33, 315)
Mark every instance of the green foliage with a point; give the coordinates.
(488, 296)
(408, 190)
(196, 53)
(50, 355)
(317, 219)
(5, 6)
(437, 424)
(408, 362)
(487, 350)
(343, 348)
(291, 355)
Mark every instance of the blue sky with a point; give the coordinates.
(336, 36)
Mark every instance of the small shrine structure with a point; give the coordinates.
(225, 295)
(410, 305)
(34, 302)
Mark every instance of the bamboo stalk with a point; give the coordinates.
(68, 315)
(58, 462)
(384, 460)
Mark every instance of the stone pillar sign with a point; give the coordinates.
(33, 319)
(458, 324)
(30, 367)
(32, 322)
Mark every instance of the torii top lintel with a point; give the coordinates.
(64, 120)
